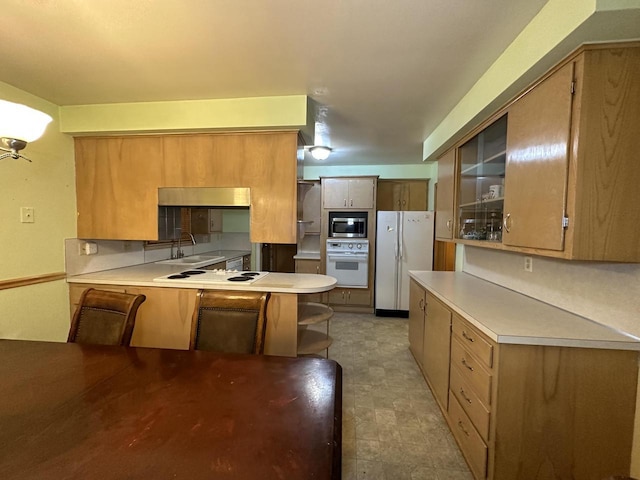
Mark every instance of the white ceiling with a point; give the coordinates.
(384, 73)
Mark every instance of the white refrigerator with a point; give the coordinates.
(404, 241)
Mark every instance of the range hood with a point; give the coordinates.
(204, 197)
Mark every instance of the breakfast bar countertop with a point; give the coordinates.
(507, 316)
(143, 275)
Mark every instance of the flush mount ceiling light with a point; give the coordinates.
(320, 152)
(19, 125)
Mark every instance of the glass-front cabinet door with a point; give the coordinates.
(481, 188)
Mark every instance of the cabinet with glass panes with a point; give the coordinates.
(481, 187)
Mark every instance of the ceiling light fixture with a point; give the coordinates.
(19, 125)
(320, 152)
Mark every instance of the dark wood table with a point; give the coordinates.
(87, 412)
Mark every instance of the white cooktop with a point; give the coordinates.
(197, 275)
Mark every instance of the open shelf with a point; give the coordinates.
(312, 341)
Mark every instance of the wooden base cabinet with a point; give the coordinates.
(522, 412)
(350, 297)
(436, 346)
(430, 339)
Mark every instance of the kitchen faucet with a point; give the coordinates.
(179, 252)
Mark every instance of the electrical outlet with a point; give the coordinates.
(88, 248)
(528, 264)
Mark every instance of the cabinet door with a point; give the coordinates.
(335, 192)
(308, 266)
(116, 187)
(206, 220)
(388, 196)
(445, 195)
(537, 164)
(436, 350)
(415, 196)
(343, 296)
(416, 320)
(407, 195)
(362, 193)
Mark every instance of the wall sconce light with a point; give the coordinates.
(320, 152)
(19, 125)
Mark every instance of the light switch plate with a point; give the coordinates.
(26, 215)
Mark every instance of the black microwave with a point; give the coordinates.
(348, 224)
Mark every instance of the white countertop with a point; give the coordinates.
(143, 275)
(510, 317)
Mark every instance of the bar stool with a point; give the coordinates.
(229, 321)
(104, 317)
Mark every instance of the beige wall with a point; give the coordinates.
(30, 249)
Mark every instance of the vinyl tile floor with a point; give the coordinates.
(392, 428)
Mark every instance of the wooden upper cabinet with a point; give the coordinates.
(349, 193)
(445, 196)
(118, 179)
(571, 172)
(264, 162)
(538, 131)
(403, 195)
(604, 212)
(116, 187)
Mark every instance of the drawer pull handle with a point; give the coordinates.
(461, 425)
(464, 396)
(464, 334)
(464, 362)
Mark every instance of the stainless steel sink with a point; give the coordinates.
(193, 260)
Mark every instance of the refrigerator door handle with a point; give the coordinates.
(400, 234)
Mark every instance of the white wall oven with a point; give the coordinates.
(348, 262)
(348, 224)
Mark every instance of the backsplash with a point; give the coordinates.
(608, 293)
(124, 253)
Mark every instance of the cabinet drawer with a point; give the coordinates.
(473, 340)
(473, 407)
(473, 447)
(472, 371)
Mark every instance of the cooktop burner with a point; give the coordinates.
(202, 276)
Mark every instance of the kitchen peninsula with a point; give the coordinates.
(164, 320)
